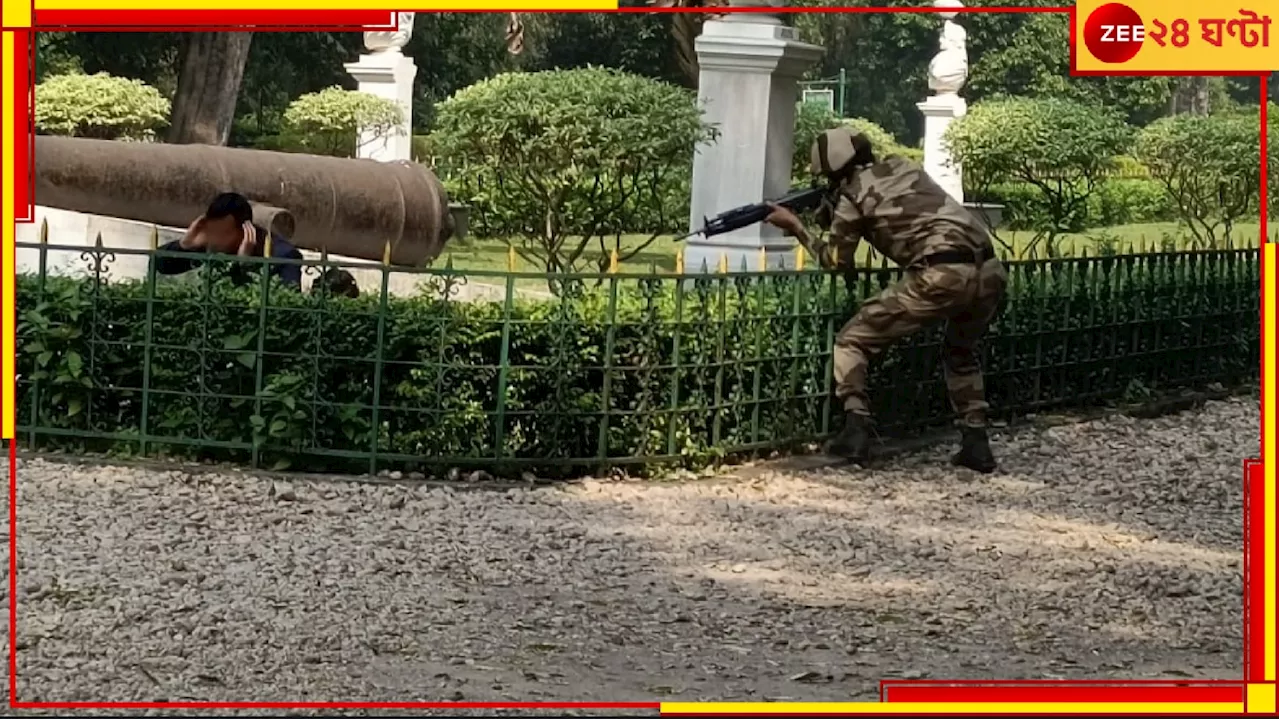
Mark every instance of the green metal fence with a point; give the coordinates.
(618, 369)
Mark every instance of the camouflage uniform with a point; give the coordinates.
(951, 274)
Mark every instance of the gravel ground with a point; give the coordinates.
(1103, 549)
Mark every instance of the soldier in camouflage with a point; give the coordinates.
(951, 275)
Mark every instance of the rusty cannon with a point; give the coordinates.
(342, 206)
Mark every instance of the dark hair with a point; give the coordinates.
(230, 204)
(336, 282)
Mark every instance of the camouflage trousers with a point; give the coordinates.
(965, 296)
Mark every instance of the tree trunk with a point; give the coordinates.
(1202, 104)
(1190, 96)
(204, 105)
(686, 27)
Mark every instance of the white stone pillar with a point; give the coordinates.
(749, 68)
(387, 73)
(939, 111)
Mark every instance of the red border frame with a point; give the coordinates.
(941, 691)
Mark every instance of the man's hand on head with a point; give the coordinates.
(248, 240)
(194, 239)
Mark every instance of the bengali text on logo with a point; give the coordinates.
(1173, 36)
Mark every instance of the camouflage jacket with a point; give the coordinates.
(901, 212)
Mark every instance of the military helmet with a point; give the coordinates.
(836, 148)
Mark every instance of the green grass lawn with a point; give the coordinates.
(1145, 237)
(494, 255)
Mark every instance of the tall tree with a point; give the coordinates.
(885, 57)
(685, 29)
(637, 43)
(1030, 57)
(204, 105)
(1201, 95)
(283, 66)
(454, 50)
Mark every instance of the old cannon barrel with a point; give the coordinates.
(347, 207)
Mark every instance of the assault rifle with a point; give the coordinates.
(797, 201)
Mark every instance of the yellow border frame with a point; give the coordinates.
(8, 328)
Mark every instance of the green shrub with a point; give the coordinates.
(1114, 201)
(1062, 149)
(422, 149)
(561, 160)
(1124, 201)
(1210, 167)
(99, 106)
(1025, 208)
(642, 372)
(915, 154)
(1130, 168)
(329, 122)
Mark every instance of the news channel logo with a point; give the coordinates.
(1114, 33)
(1164, 37)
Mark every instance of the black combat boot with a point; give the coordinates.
(975, 451)
(854, 441)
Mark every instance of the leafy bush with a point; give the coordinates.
(1130, 168)
(650, 370)
(422, 149)
(99, 106)
(1062, 149)
(329, 122)
(1210, 166)
(1124, 201)
(562, 159)
(1115, 201)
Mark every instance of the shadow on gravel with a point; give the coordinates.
(1108, 550)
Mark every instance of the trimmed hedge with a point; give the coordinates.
(731, 364)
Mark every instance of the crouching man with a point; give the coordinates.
(227, 228)
(951, 275)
